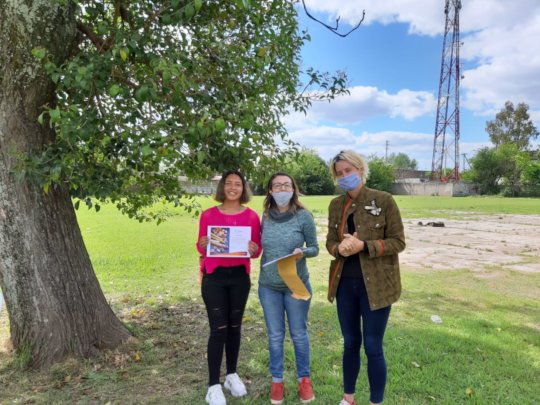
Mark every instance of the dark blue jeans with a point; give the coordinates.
(357, 321)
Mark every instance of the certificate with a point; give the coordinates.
(228, 241)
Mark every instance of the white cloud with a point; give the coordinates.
(328, 140)
(509, 66)
(365, 102)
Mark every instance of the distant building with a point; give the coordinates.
(417, 182)
(418, 176)
(206, 187)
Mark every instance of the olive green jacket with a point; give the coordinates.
(378, 223)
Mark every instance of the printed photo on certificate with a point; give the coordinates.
(228, 241)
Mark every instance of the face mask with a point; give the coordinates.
(282, 198)
(350, 182)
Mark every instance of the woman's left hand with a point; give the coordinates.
(298, 253)
(350, 245)
(253, 248)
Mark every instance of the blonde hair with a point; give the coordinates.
(354, 159)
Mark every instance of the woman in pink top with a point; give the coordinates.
(225, 281)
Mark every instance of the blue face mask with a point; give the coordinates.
(350, 182)
(282, 198)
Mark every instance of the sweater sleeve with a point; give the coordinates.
(310, 235)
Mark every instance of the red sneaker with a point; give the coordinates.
(306, 390)
(276, 393)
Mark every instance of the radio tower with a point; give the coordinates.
(445, 166)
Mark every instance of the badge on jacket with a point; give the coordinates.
(373, 209)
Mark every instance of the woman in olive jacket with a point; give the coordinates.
(365, 235)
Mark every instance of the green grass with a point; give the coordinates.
(486, 351)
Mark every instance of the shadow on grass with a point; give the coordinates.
(166, 364)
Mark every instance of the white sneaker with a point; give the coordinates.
(215, 396)
(234, 384)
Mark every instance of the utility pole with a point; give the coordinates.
(386, 153)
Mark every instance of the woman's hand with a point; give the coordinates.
(350, 245)
(253, 248)
(203, 242)
(298, 253)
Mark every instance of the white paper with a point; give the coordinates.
(228, 241)
(278, 259)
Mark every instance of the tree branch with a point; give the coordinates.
(334, 29)
(101, 44)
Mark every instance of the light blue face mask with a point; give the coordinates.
(282, 198)
(350, 182)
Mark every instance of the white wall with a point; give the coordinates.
(433, 188)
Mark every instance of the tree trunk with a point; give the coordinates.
(55, 304)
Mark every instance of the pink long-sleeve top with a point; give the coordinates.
(214, 217)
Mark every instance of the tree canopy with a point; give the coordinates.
(112, 102)
(402, 161)
(512, 125)
(310, 173)
(381, 174)
(158, 90)
(507, 166)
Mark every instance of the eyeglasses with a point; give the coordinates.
(282, 186)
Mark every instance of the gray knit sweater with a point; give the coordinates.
(280, 239)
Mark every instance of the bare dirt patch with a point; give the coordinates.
(475, 242)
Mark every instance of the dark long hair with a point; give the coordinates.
(270, 203)
(220, 191)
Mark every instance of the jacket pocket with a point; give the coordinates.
(376, 228)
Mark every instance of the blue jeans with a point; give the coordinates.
(275, 304)
(355, 318)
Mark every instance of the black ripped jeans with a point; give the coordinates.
(225, 293)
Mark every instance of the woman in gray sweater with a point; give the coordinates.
(287, 228)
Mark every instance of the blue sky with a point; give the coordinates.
(393, 64)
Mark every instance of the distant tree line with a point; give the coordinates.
(511, 167)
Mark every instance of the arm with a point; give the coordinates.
(255, 242)
(310, 236)
(202, 238)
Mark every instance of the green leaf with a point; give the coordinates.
(189, 11)
(146, 150)
(39, 53)
(54, 114)
(114, 90)
(123, 54)
(243, 4)
(141, 94)
(197, 4)
(200, 156)
(219, 124)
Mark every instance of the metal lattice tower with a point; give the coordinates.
(445, 166)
